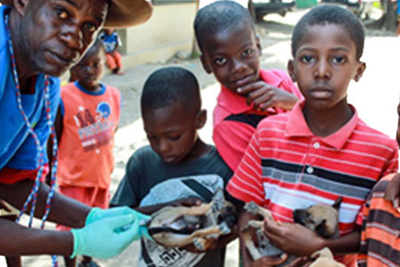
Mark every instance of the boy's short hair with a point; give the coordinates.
(219, 16)
(171, 86)
(330, 14)
(97, 45)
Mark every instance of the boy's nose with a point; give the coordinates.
(237, 66)
(322, 70)
(163, 146)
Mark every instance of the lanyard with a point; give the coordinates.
(40, 150)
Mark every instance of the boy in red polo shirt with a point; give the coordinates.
(321, 150)
(231, 51)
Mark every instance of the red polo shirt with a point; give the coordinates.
(235, 121)
(287, 167)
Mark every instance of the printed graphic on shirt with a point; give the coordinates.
(95, 130)
(201, 186)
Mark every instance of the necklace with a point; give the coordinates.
(32, 197)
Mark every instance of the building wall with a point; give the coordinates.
(169, 30)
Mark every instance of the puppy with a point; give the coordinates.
(324, 220)
(198, 225)
(324, 258)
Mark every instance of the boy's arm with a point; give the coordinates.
(292, 237)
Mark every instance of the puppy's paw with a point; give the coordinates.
(251, 207)
(224, 228)
(218, 205)
(199, 243)
(255, 224)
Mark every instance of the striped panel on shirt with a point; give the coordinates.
(380, 244)
(284, 173)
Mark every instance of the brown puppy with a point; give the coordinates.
(199, 225)
(324, 220)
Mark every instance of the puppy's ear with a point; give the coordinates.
(322, 229)
(337, 203)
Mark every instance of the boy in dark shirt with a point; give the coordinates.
(177, 164)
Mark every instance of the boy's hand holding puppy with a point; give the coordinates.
(264, 96)
(292, 237)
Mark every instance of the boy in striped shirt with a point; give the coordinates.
(321, 150)
(380, 239)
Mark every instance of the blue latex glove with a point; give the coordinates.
(96, 214)
(106, 237)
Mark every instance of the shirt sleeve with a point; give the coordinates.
(246, 184)
(231, 140)
(127, 193)
(392, 167)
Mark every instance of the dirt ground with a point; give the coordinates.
(375, 97)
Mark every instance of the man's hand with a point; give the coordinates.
(106, 237)
(264, 96)
(293, 238)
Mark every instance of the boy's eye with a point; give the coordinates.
(220, 61)
(338, 60)
(248, 52)
(62, 13)
(175, 138)
(150, 137)
(306, 59)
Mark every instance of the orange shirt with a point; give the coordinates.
(86, 148)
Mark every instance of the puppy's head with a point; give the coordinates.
(324, 220)
(228, 214)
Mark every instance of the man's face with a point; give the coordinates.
(54, 34)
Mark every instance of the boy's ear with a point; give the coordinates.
(291, 71)
(21, 6)
(201, 118)
(258, 44)
(360, 70)
(206, 67)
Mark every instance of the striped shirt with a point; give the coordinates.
(287, 167)
(380, 239)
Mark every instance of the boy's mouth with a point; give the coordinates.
(321, 93)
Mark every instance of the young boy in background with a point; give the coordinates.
(111, 42)
(380, 239)
(86, 124)
(231, 49)
(177, 164)
(321, 150)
